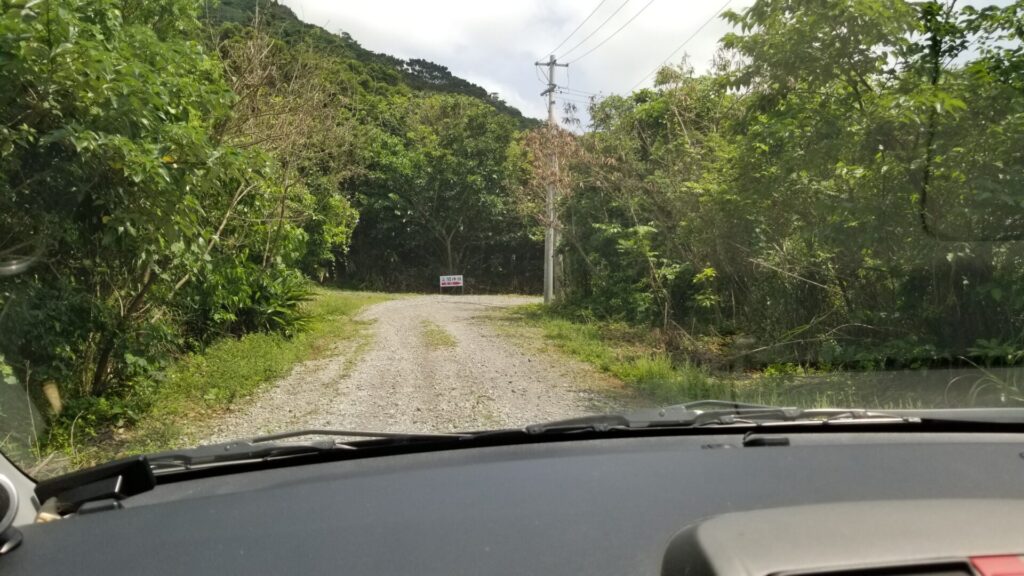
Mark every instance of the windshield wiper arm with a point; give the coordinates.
(235, 451)
(356, 434)
(595, 423)
(721, 413)
(784, 415)
(269, 447)
(708, 413)
(698, 414)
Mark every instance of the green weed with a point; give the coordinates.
(631, 355)
(435, 336)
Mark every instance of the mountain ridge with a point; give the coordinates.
(417, 74)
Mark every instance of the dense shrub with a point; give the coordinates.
(831, 207)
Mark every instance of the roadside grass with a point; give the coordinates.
(199, 387)
(435, 336)
(633, 356)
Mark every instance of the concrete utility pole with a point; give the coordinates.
(551, 234)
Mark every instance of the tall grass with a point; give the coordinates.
(625, 353)
(175, 408)
(632, 355)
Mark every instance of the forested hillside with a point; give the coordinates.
(417, 222)
(416, 73)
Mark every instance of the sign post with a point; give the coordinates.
(451, 281)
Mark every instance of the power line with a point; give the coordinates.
(573, 97)
(579, 102)
(577, 29)
(570, 98)
(568, 83)
(571, 94)
(539, 77)
(680, 47)
(579, 96)
(595, 31)
(568, 90)
(578, 58)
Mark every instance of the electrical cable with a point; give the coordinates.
(575, 101)
(568, 84)
(577, 29)
(596, 30)
(577, 91)
(539, 77)
(581, 94)
(578, 58)
(680, 47)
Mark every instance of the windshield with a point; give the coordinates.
(228, 219)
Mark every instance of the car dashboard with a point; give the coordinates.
(819, 503)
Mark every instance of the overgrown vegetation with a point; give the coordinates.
(173, 173)
(638, 356)
(836, 192)
(437, 337)
(171, 409)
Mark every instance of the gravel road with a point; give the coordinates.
(434, 364)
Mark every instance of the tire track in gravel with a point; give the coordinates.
(402, 383)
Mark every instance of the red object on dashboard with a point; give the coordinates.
(999, 565)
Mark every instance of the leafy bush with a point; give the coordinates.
(235, 298)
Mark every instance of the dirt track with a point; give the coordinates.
(434, 363)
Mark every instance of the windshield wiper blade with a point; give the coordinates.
(719, 413)
(993, 416)
(721, 405)
(792, 415)
(595, 423)
(698, 414)
(709, 413)
(269, 447)
(235, 451)
(394, 436)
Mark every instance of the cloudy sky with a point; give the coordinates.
(494, 44)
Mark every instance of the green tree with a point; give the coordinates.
(439, 190)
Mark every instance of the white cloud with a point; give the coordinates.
(494, 44)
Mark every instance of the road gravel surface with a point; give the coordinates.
(432, 364)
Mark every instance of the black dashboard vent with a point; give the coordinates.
(938, 569)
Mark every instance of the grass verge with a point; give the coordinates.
(198, 387)
(633, 356)
(435, 336)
